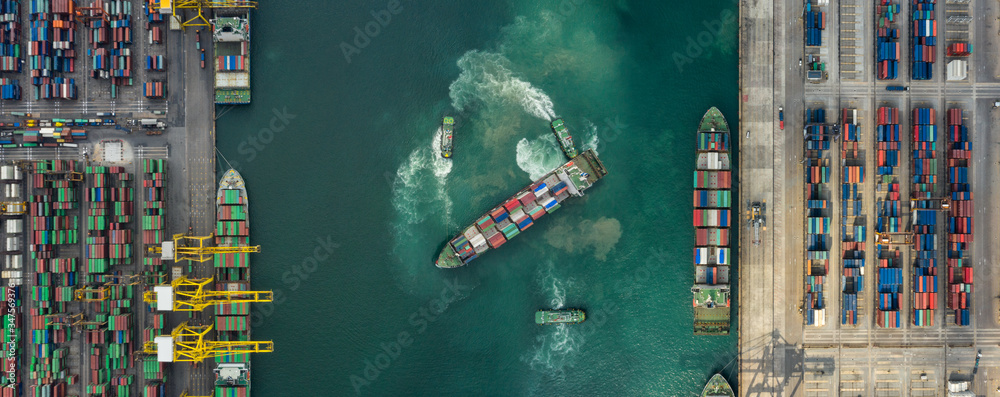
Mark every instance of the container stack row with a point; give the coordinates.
(887, 40)
(51, 48)
(853, 223)
(109, 217)
(13, 224)
(108, 336)
(154, 209)
(924, 34)
(120, 15)
(887, 224)
(10, 47)
(960, 225)
(712, 203)
(54, 267)
(817, 194)
(815, 22)
(923, 213)
(12, 257)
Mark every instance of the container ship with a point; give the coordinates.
(717, 387)
(568, 316)
(448, 129)
(231, 41)
(712, 198)
(232, 273)
(520, 211)
(564, 138)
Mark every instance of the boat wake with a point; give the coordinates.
(419, 188)
(539, 156)
(554, 349)
(590, 137)
(486, 78)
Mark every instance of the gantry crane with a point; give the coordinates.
(193, 248)
(887, 238)
(171, 7)
(93, 294)
(189, 295)
(943, 203)
(187, 343)
(12, 208)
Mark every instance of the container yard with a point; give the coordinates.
(911, 317)
(103, 201)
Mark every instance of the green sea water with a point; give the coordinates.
(351, 202)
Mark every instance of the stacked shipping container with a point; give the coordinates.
(890, 270)
(712, 200)
(54, 268)
(109, 213)
(817, 142)
(153, 209)
(50, 50)
(853, 223)
(960, 225)
(924, 216)
(886, 40)
(815, 22)
(924, 34)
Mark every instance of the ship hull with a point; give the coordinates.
(717, 386)
(519, 212)
(232, 272)
(712, 202)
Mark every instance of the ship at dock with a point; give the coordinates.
(712, 200)
(565, 316)
(231, 43)
(232, 273)
(520, 211)
(564, 138)
(447, 132)
(717, 387)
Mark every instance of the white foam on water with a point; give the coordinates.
(555, 349)
(421, 181)
(590, 137)
(486, 78)
(539, 156)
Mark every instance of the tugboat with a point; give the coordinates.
(718, 387)
(564, 138)
(446, 136)
(568, 316)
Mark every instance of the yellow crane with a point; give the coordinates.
(171, 7)
(189, 295)
(195, 248)
(187, 343)
(12, 208)
(92, 294)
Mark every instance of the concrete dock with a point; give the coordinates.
(779, 354)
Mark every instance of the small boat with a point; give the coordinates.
(568, 316)
(718, 387)
(448, 127)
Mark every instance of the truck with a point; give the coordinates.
(781, 117)
(756, 217)
(897, 88)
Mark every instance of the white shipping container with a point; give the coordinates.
(478, 240)
(13, 243)
(14, 226)
(13, 262)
